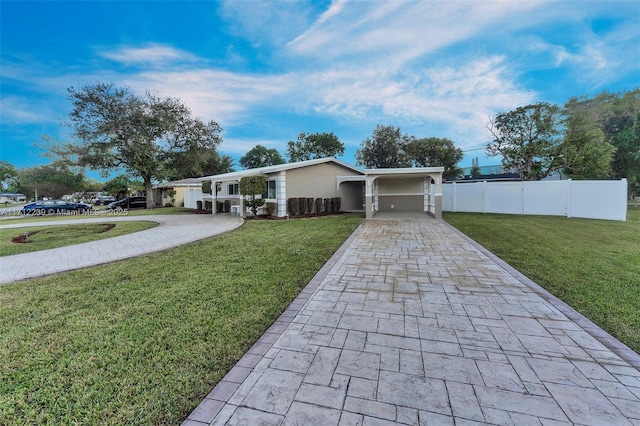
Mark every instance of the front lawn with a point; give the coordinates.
(35, 238)
(143, 341)
(592, 265)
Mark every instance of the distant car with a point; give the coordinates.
(103, 200)
(129, 203)
(51, 207)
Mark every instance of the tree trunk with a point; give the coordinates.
(149, 193)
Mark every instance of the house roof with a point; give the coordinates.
(180, 182)
(277, 168)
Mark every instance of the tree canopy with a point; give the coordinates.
(52, 180)
(589, 138)
(617, 116)
(314, 145)
(585, 152)
(435, 152)
(144, 135)
(7, 174)
(384, 149)
(260, 156)
(528, 139)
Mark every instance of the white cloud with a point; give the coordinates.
(17, 111)
(395, 32)
(268, 23)
(152, 54)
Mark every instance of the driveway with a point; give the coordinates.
(411, 322)
(173, 230)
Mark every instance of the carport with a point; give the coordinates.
(406, 190)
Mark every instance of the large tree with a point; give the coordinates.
(585, 152)
(119, 130)
(184, 165)
(435, 152)
(529, 139)
(619, 115)
(314, 145)
(260, 156)
(384, 149)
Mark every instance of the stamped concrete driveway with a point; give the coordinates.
(413, 323)
(173, 230)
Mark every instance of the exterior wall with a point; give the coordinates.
(401, 194)
(320, 181)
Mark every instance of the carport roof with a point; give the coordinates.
(405, 172)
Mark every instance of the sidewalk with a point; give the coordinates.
(173, 230)
(413, 323)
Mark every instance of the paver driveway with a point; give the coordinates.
(413, 323)
(173, 230)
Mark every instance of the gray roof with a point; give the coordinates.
(277, 168)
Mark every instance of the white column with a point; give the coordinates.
(281, 194)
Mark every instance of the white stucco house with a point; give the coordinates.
(369, 191)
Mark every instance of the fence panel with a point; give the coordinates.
(506, 198)
(546, 197)
(585, 199)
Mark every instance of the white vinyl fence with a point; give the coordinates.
(595, 199)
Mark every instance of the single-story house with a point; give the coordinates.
(183, 192)
(369, 191)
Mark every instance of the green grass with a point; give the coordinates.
(48, 237)
(143, 341)
(592, 265)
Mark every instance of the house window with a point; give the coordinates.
(232, 189)
(271, 190)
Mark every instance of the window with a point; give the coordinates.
(271, 190)
(232, 189)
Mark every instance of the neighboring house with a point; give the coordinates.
(183, 192)
(9, 197)
(369, 191)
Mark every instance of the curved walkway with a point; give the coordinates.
(411, 322)
(173, 230)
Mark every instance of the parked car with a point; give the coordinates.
(103, 200)
(51, 207)
(129, 203)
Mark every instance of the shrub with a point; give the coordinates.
(227, 206)
(318, 205)
(208, 205)
(302, 205)
(337, 203)
(309, 205)
(199, 204)
(220, 207)
(292, 206)
(327, 205)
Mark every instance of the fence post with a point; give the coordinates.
(569, 203)
(485, 196)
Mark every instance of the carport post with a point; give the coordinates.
(368, 197)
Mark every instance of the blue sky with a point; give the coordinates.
(268, 70)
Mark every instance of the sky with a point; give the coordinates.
(268, 70)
